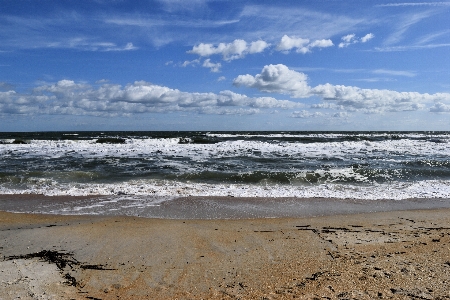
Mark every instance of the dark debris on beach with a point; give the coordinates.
(62, 260)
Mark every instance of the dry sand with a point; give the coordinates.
(388, 255)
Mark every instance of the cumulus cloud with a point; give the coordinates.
(348, 38)
(229, 111)
(440, 107)
(287, 43)
(301, 45)
(341, 114)
(353, 39)
(258, 46)
(229, 51)
(276, 79)
(374, 100)
(367, 37)
(69, 97)
(77, 98)
(269, 102)
(280, 79)
(240, 48)
(214, 67)
(321, 44)
(190, 62)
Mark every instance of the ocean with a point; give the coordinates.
(129, 172)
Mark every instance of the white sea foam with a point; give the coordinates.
(395, 191)
(147, 146)
(122, 205)
(170, 146)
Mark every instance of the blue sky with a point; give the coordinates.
(224, 65)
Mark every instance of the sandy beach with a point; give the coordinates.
(383, 255)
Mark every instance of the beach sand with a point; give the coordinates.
(384, 255)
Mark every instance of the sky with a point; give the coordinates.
(212, 65)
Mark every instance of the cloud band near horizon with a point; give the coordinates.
(280, 79)
(67, 97)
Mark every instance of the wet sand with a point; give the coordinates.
(383, 255)
(207, 207)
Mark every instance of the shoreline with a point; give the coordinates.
(212, 207)
(383, 255)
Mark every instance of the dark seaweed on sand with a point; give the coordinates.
(61, 260)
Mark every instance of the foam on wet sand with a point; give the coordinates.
(386, 255)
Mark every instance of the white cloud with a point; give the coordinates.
(229, 51)
(426, 39)
(269, 102)
(440, 107)
(301, 45)
(147, 22)
(240, 48)
(62, 87)
(268, 21)
(258, 46)
(325, 105)
(212, 66)
(394, 72)
(276, 79)
(353, 39)
(129, 46)
(303, 114)
(229, 111)
(321, 44)
(6, 97)
(340, 114)
(367, 37)
(374, 100)
(190, 62)
(89, 45)
(182, 22)
(404, 26)
(280, 79)
(348, 38)
(287, 43)
(204, 50)
(234, 50)
(411, 47)
(69, 97)
(376, 79)
(408, 25)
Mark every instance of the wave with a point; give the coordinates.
(266, 163)
(163, 188)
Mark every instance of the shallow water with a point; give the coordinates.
(206, 207)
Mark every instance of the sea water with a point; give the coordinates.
(148, 168)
